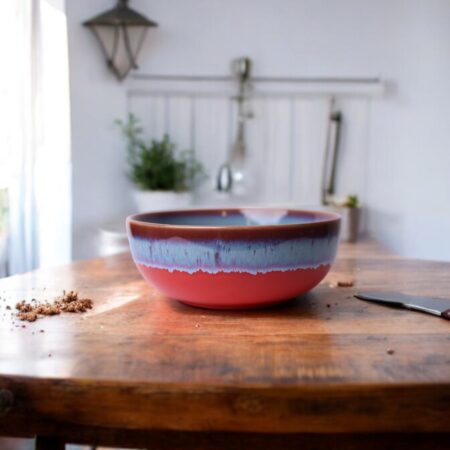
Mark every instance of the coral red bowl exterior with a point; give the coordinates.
(234, 258)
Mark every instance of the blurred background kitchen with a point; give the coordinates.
(312, 103)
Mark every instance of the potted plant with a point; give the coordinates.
(350, 211)
(163, 179)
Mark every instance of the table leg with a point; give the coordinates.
(49, 443)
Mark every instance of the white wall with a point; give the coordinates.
(406, 42)
(410, 142)
(100, 190)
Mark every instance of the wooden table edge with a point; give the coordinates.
(327, 408)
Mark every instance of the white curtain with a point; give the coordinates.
(34, 132)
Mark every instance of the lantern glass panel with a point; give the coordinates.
(121, 46)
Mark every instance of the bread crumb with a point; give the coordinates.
(28, 316)
(345, 283)
(68, 302)
(23, 307)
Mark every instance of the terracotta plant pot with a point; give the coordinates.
(350, 226)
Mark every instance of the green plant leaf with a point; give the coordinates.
(156, 166)
(352, 201)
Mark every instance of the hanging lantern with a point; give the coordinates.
(121, 32)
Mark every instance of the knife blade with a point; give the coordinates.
(431, 305)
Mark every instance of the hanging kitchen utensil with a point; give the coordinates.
(331, 155)
(232, 171)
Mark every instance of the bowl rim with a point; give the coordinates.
(328, 217)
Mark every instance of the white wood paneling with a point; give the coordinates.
(286, 140)
(151, 111)
(310, 122)
(276, 154)
(257, 141)
(180, 121)
(351, 165)
(211, 127)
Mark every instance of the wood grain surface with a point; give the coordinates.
(139, 361)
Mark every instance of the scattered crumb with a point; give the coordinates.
(345, 283)
(28, 316)
(197, 325)
(390, 351)
(8, 307)
(41, 331)
(23, 307)
(328, 305)
(68, 302)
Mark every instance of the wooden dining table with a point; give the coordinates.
(323, 371)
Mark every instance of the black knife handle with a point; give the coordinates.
(446, 314)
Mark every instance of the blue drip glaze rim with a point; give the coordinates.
(142, 219)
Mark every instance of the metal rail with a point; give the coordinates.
(344, 80)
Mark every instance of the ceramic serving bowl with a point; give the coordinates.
(234, 258)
